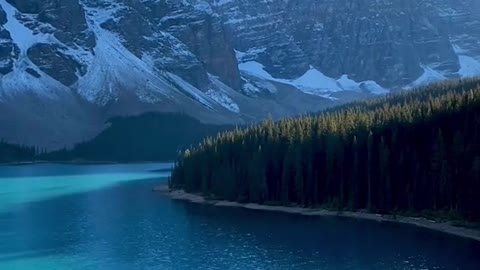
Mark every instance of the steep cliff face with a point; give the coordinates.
(225, 60)
(8, 50)
(203, 33)
(389, 42)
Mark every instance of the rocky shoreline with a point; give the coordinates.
(445, 227)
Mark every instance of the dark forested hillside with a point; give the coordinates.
(415, 151)
(16, 153)
(148, 137)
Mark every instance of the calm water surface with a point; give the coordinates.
(106, 217)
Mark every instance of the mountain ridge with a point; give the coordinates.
(225, 61)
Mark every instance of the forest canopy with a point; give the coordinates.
(16, 153)
(414, 151)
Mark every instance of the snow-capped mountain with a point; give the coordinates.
(66, 66)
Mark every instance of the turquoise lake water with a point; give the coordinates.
(107, 217)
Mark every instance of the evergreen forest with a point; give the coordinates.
(413, 151)
(16, 153)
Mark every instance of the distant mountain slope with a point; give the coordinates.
(148, 137)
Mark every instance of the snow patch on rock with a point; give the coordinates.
(114, 68)
(429, 76)
(222, 99)
(19, 79)
(249, 55)
(22, 81)
(469, 66)
(313, 81)
(21, 35)
(250, 89)
(220, 94)
(190, 90)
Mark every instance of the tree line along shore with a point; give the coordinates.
(410, 153)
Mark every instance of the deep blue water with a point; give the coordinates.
(107, 217)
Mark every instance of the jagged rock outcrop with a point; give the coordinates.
(8, 50)
(50, 59)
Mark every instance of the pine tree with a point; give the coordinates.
(285, 187)
(354, 176)
(369, 170)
